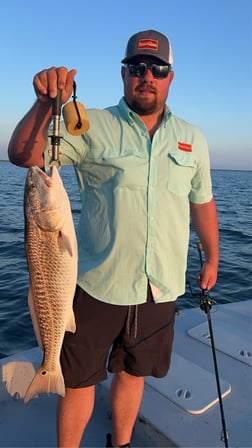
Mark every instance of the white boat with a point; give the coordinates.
(180, 410)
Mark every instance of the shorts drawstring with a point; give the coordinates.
(129, 324)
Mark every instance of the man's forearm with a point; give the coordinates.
(28, 141)
(205, 223)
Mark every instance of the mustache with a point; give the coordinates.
(147, 86)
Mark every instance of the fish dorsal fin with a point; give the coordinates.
(34, 317)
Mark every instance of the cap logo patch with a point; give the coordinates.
(185, 147)
(147, 44)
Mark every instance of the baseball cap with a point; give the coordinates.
(149, 43)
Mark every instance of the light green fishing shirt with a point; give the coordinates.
(135, 193)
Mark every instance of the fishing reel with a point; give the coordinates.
(205, 302)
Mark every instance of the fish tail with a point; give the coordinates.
(46, 382)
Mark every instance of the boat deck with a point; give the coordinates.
(181, 409)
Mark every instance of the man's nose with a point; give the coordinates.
(148, 76)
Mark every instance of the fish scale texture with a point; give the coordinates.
(52, 276)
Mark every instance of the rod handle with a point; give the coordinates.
(200, 250)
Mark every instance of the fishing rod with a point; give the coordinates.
(206, 305)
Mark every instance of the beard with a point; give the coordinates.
(141, 104)
(144, 106)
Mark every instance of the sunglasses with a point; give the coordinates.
(158, 71)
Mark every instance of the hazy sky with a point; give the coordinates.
(212, 46)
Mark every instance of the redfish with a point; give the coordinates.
(51, 252)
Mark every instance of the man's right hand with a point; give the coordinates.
(47, 82)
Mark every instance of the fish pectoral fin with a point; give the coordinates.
(46, 382)
(34, 317)
(71, 325)
(66, 243)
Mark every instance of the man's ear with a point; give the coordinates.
(171, 76)
(123, 72)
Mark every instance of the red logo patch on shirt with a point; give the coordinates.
(147, 44)
(185, 147)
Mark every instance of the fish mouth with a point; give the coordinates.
(39, 180)
(45, 176)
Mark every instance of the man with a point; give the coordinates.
(141, 171)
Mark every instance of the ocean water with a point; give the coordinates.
(232, 191)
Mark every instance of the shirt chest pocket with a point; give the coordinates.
(181, 169)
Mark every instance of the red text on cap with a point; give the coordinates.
(147, 44)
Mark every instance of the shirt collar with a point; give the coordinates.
(131, 116)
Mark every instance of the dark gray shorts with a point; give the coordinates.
(136, 339)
